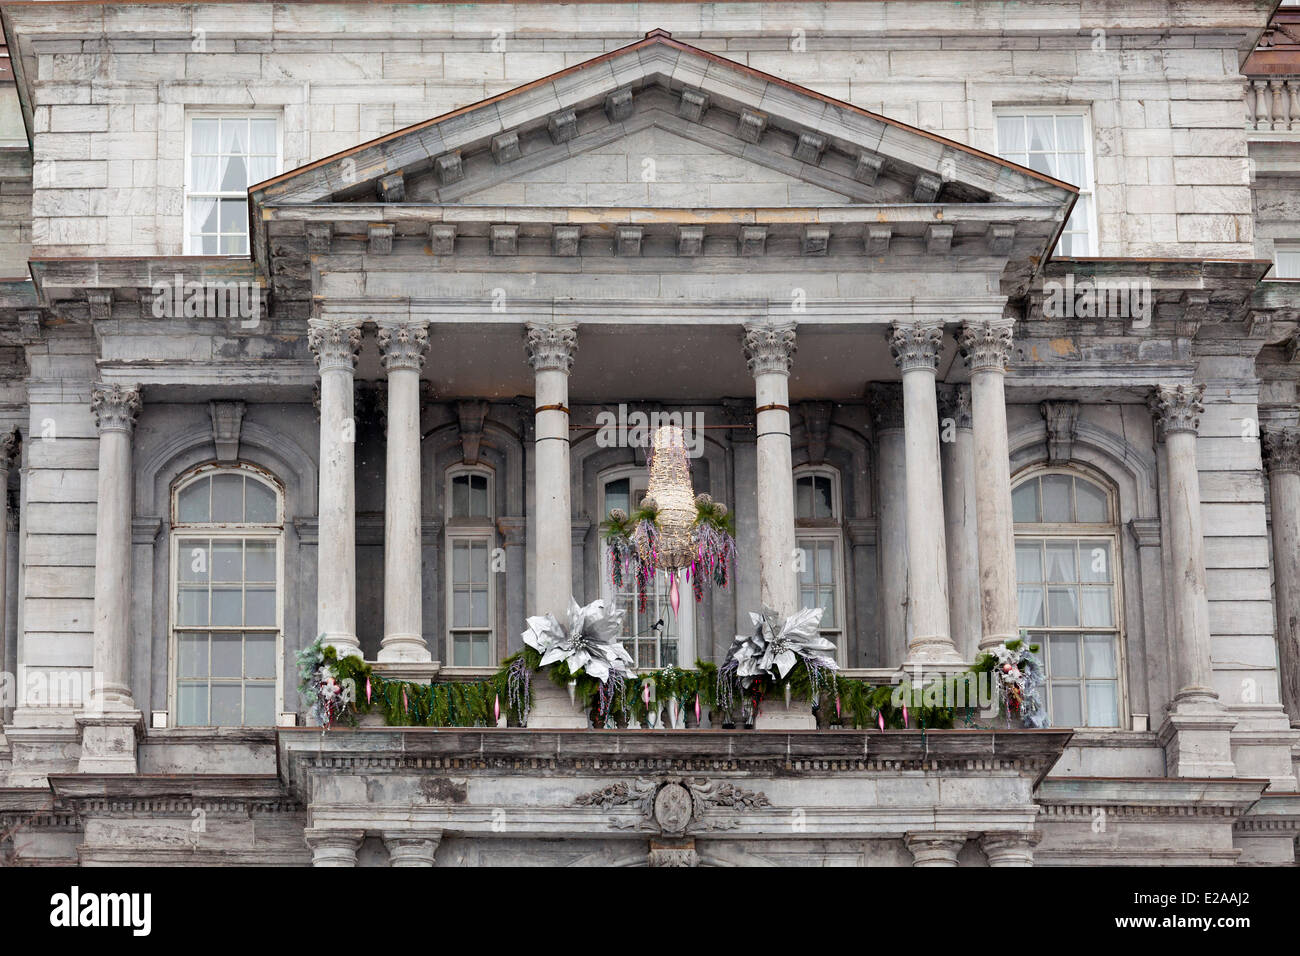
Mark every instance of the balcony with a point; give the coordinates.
(1272, 89)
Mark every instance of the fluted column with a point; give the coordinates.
(335, 345)
(957, 454)
(915, 347)
(551, 348)
(769, 353)
(402, 346)
(986, 346)
(1196, 732)
(891, 467)
(1282, 459)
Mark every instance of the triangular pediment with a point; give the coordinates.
(795, 146)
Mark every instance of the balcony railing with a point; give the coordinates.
(1273, 104)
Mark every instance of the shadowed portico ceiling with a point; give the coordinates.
(884, 196)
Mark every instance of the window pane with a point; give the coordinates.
(1095, 607)
(1011, 134)
(1029, 562)
(192, 655)
(618, 494)
(234, 174)
(227, 705)
(825, 560)
(460, 609)
(262, 136)
(460, 562)
(478, 563)
(479, 609)
(1024, 502)
(259, 503)
(481, 652)
(192, 502)
(460, 496)
(259, 655)
(234, 135)
(259, 560)
(227, 498)
(234, 215)
(460, 651)
(806, 564)
(1042, 134)
(233, 245)
(1060, 561)
(1056, 498)
(227, 560)
(1099, 656)
(478, 496)
(1070, 168)
(205, 245)
(227, 655)
(1067, 705)
(192, 607)
(1094, 561)
(227, 607)
(260, 168)
(1064, 657)
(259, 607)
(191, 705)
(823, 503)
(1090, 502)
(827, 601)
(807, 597)
(803, 496)
(1103, 704)
(203, 136)
(1069, 131)
(259, 703)
(1031, 606)
(1062, 608)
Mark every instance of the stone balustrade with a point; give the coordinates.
(1273, 104)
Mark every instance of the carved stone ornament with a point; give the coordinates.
(1062, 421)
(115, 407)
(1177, 408)
(551, 347)
(769, 348)
(986, 346)
(915, 345)
(674, 805)
(403, 345)
(10, 443)
(335, 344)
(1281, 450)
(886, 404)
(954, 403)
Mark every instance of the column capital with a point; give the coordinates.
(115, 407)
(11, 443)
(333, 847)
(1010, 848)
(955, 403)
(334, 343)
(934, 848)
(1281, 450)
(986, 346)
(551, 346)
(886, 405)
(1177, 408)
(916, 345)
(402, 344)
(412, 847)
(769, 348)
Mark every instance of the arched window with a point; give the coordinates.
(818, 515)
(471, 538)
(1067, 539)
(654, 637)
(227, 606)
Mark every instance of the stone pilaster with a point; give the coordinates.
(335, 345)
(986, 346)
(112, 721)
(1195, 734)
(957, 455)
(551, 349)
(1011, 848)
(769, 353)
(412, 848)
(1282, 461)
(915, 347)
(886, 404)
(333, 847)
(935, 848)
(402, 347)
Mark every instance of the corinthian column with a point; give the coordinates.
(550, 352)
(1196, 733)
(112, 721)
(335, 345)
(891, 468)
(915, 347)
(1282, 459)
(769, 352)
(402, 347)
(986, 346)
(960, 504)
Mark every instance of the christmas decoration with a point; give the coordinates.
(1017, 674)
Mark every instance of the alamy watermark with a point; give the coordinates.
(1091, 298)
(180, 299)
(634, 429)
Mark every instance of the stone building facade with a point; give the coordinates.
(315, 317)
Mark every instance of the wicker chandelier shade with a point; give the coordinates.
(670, 489)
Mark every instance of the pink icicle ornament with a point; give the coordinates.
(405, 704)
(838, 714)
(674, 595)
(905, 723)
(367, 690)
(496, 709)
(880, 719)
(697, 708)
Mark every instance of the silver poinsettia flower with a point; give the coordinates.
(777, 643)
(590, 643)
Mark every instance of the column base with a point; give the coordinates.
(932, 650)
(408, 648)
(108, 741)
(345, 645)
(552, 708)
(1197, 737)
(774, 714)
(990, 641)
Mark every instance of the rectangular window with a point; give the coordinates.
(471, 602)
(819, 583)
(1057, 142)
(1286, 260)
(225, 154)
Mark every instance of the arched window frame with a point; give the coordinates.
(180, 530)
(686, 622)
(811, 533)
(468, 531)
(1108, 530)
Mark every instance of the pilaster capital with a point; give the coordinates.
(1281, 450)
(115, 407)
(334, 343)
(769, 348)
(11, 442)
(402, 344)
(954, 403)
(1177, 408)
(916, 345)
(885, 400)
(986, 346)
(551, 346)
